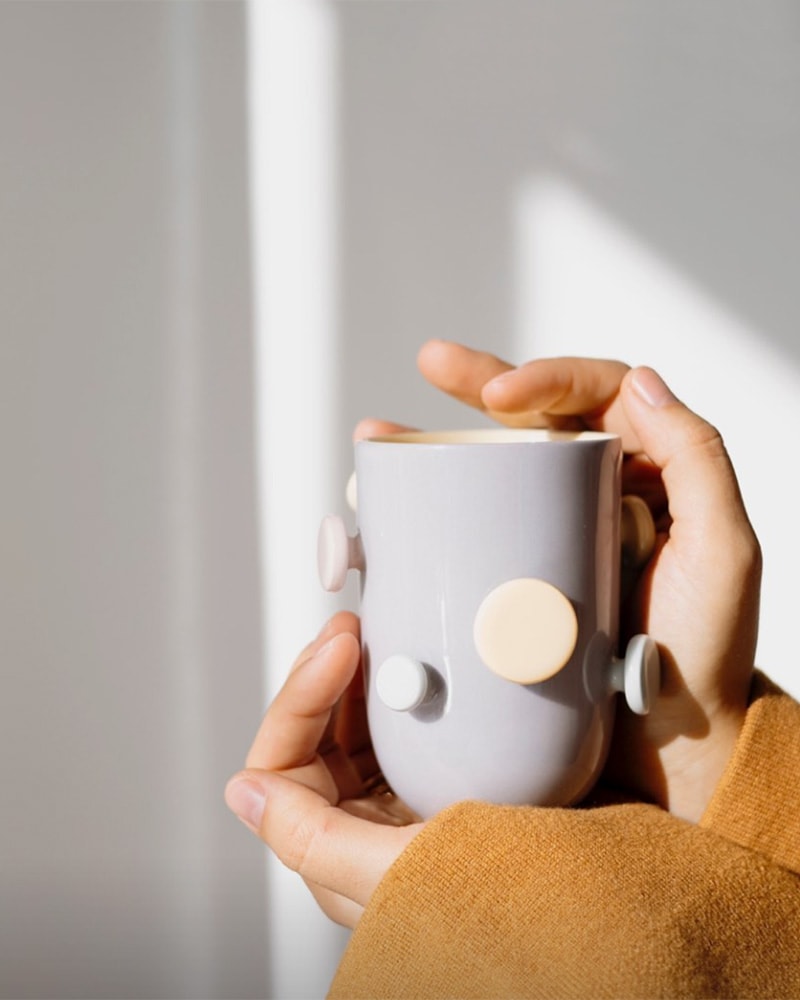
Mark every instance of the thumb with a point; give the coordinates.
(705, 503)
(322, 843)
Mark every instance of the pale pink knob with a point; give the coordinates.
(337, 552)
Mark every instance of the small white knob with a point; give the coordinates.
(638, 675)
(402, 683)
(337, 552)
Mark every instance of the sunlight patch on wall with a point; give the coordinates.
(293, 153)
(585, 285)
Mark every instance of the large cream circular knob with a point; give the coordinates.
(337, 552)
(525, 630)
(402, 683)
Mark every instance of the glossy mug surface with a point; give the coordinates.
(489, 603)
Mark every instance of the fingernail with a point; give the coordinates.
(246, 799)
(324, 649)
(651, 387)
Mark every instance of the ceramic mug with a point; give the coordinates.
(490, 577)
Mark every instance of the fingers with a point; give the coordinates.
(458, 370)
(712, 559)
(698, 599)
(705, 504)
(296, 721)
(342, 621)
(328, 847)
(575, 387)
(338, 908)
(372, 427)
(550, 392)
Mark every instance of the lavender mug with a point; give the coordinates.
(490, 568)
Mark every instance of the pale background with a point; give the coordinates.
(224, 232)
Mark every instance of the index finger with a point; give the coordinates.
(370, 427)
(587, 388)
(297, 719)
(554, 392)
(459, 371)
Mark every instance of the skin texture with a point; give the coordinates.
(311, 789)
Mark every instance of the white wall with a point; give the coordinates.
(531, 177)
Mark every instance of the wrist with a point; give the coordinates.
(693, 767)
(674, 762)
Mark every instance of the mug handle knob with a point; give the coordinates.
(337, 552)
(637, 532)
(402, 683)
(351, 492)
(638, 675)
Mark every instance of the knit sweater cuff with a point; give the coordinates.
(757, 802)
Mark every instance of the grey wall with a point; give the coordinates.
(131, 673)
(679, 119)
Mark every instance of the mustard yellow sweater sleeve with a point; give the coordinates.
(757, 803)
(620, 901)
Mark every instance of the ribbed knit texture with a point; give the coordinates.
(757, 803)
(619, 901)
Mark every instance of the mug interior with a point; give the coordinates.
(490, 435)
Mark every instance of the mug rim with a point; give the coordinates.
(490, 435)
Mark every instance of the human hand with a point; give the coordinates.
(312, 790)
(698, 595)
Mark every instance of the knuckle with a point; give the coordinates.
(304, 839)
(703, 435)
(749, 556)
(318, 836)
(294, 846)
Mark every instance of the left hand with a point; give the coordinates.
(698, 595)
(312, 790)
